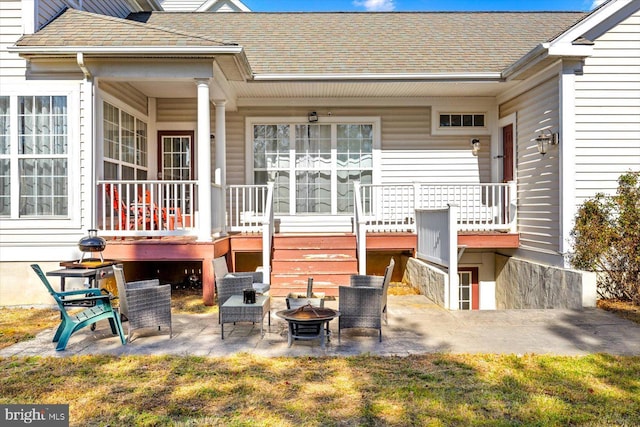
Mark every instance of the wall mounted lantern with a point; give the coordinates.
(312, 117)
(544, 140)
(475, 146)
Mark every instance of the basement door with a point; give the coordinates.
(313, 165)
(468, 288)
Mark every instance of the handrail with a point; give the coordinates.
(246, 207)
(359, 228)
(267, 235)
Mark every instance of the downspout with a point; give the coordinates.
(88, 97)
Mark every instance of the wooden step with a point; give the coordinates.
(313, 253)
(307, 266)
(312, 241)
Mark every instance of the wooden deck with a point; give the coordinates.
(329, 258)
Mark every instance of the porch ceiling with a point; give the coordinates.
(252, 93)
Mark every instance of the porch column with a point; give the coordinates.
(204, 161)
(221, 158)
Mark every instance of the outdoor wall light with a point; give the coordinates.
(312, 117)
(544, 140)
(475, 146)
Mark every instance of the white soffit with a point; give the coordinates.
(366, 89)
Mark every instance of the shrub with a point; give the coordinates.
(607, 239)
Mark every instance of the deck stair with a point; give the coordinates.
(329, 258)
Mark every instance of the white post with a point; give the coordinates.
(453, 257)
(204, 161)
(567, 155)
(221, 159)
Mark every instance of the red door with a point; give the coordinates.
(507, 153)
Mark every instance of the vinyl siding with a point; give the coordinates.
(49, 9)
(537, 175)
(408, 151)
(181, 5)
(13, 67)
(127, 94)
(608, 111)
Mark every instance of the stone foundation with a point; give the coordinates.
(525, 284)
(429, 280)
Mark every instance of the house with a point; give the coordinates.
(304, 142)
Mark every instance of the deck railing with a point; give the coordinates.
(247, 207)
(482, 207)
(146, 208)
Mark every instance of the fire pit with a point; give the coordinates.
(308, 323)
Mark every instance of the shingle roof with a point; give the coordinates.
(374, 42)
(320, 43)
(78, 28)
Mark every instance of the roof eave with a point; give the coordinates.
(30, 51)
(448, 77)
(546, 52)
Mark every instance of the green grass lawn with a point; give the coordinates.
(597, 390)
(435, 389)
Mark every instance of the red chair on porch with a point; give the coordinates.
(170, 215)
(118, 206)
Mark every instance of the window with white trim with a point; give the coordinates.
(313, 165)
(125, 145)
(39, 159)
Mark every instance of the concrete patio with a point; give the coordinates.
(415, 326)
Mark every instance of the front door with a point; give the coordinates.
(175, 155)
(175, 163)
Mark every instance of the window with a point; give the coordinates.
(125, 145)
(462, 120)
(313, 165)
(39, 160)
(5, 159)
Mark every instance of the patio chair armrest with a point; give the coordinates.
(101, 299)
(88, 291)
(256, 276)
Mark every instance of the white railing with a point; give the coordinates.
(482, 207)
(437, 243)
(250, 210)
(246, 207)
(146, 208)
(360, 230)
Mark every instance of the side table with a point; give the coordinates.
(235, 310)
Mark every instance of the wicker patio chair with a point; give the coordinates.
(221, 270)
(144, 304)
(359, 280)
(364, 303)
(229, 286)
